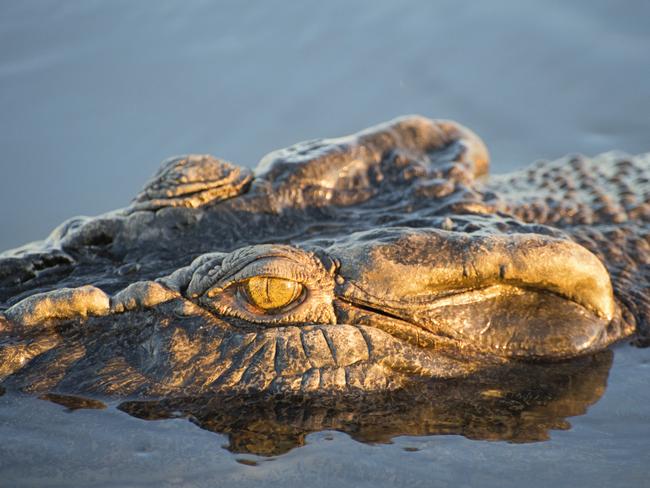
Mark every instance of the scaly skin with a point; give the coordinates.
(358, 264)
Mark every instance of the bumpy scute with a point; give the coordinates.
(192, 181)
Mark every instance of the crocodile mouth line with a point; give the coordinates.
(482, 321)
(398, 326)
(363, 299)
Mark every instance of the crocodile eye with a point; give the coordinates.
(271, 294)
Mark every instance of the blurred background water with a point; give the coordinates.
(93, 95)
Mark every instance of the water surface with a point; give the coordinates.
(43, 444)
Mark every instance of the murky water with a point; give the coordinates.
(94, 94)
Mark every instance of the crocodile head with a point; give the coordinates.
(360, 263)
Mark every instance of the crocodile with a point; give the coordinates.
(362, 263)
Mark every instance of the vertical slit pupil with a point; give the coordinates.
(271, 293)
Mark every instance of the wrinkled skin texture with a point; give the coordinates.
(363, 263)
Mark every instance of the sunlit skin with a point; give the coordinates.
(359, 264)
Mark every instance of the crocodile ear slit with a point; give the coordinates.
(192, 181)
(352, 169)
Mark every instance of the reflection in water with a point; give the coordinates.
(517, 403)
(73, 402)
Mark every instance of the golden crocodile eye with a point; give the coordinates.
(271, 294)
